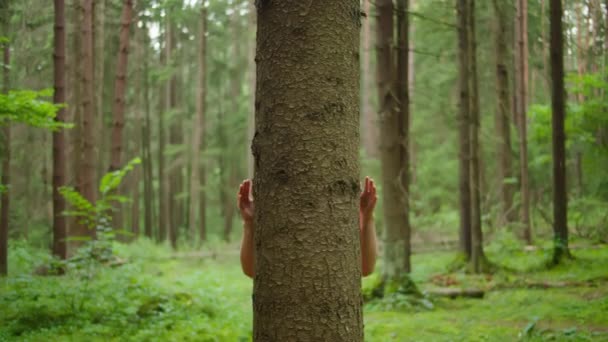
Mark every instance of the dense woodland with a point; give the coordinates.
(128, 126)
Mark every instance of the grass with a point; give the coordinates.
(157, 298)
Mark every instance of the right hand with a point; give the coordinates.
(245, 201)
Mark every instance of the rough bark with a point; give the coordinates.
(198, 129)
(59, 137)
(308, 263)
(5, 140)
(558, 98)
(503, 110)
(86, 176)
(120, 92)
(463, 123)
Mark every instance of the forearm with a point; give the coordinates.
(368, 245)
(247, 251)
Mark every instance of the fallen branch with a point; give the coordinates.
(456, 292)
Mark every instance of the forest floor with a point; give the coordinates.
(156, 297)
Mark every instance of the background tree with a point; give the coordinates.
(120, 90)
(560, 198)
(306, 182)
(5, 141)
(60, 160)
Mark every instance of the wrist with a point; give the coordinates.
(248, 225)
(366, 219)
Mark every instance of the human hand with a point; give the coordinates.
(368, 200)
(245, 201)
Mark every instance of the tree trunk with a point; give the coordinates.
(503, 110)
(198, 127)
(5, 146)
(306, 152)
(478, 261)
(394, 151)
(251, 79)
(87, 178)
(558, 98)
(59, 137)
(163, 179)
(74, 228)
(99, 10)
(521, 90)
(120, 92)
(175, 173)
(146, 137)
(369, 127)
(464, 132)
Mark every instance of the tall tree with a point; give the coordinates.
(146, 131)
(558, 99)
(198, 132)
(163, 179)
(477, 254)
(251, 79)
(59, 137)
(5, 142)
(521, 107)
(463, 124)
(86, 176)
(503, 110)
(306, 184)
(99, 39)
(120, 92)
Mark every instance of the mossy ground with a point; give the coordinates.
(156, 298)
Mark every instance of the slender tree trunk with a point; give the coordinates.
(521, 109)
(59, 137)
(477, 255)
(503, 110)
(464, 132)
(558, 98)
(87, 178)
(411, 88)
(146, 136)
(120, 92)
(307, 118)
(251, 79)
(5, 146)
(74, 228)
(369, 127)
(174, 139)
(198, 127)
(99, 34)
(163, 179)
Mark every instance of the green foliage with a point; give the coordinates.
(29, 107)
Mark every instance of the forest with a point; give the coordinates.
(300, 170)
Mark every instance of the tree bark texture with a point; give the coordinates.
(5, 140)
(463, 123)
(558, 98)
(306, 186)
(521, 90)
(369, 125)
(477, 255)
(503, 110)
(87, 178)
(120, 93)
(59, 136)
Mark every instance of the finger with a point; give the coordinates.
(366, 184)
